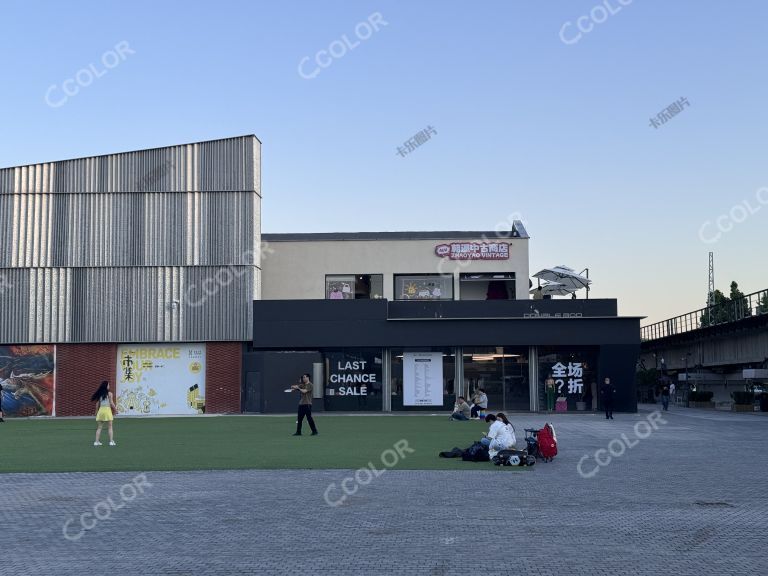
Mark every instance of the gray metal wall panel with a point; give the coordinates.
(138, 229)
(14, 306)
(217, 166)
(217, 303)
(131, 304)
(99, 249)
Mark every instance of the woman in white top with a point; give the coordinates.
(498, 437)
(511, 429)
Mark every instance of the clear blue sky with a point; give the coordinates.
(525, 122)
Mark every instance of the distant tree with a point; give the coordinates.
(762, 305)
(717, 310)
(647, 377)
(740, 305)
(721, 308)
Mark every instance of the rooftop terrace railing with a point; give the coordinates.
(750, 305)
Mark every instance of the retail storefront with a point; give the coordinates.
(379, 355)
(188, 308)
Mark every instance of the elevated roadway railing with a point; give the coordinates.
(748, 306)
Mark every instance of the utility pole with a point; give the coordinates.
(711, 288)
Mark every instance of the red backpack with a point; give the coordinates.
(547, 442)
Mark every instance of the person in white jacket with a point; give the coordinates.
(498, 436)
(511, 429)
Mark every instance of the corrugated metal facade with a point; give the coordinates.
(156, 245)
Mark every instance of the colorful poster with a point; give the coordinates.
(26, 377)
(422, 378)
(160, 379)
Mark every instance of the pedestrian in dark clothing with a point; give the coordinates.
(665, 397)
(305, 404)
(607, 392)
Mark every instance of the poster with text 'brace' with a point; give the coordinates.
(160, 379)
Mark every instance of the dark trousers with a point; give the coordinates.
(665, 402)
(458, 416)
(305, 410)
(474, 410)
(609, 411)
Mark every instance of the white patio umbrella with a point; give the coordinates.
(567, 277)
(554, 289)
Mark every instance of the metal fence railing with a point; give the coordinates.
(749, 305)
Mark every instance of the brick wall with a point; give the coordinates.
(223, 377)
(80, 368)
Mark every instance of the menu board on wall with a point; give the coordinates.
(161, 379)
(422, 378)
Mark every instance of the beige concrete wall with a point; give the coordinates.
(296, 270)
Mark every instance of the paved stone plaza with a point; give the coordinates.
(691, 498)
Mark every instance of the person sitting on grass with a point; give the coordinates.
(498, 437)
(511, 429)
(479, 402)
(461, 409)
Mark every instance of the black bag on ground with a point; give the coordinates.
(476, 453)
(455, 453)
(514, 458)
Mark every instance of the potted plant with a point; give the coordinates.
(743, 401)
(701, 399)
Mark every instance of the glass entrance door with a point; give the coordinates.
(501, 371)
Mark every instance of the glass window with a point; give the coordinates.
(354, 286)
(423, 287)
(449, 372)
(500, 371)
(574, 371)
(493, 286)
(353, 379)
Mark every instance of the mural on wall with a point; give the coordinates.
(26, 377)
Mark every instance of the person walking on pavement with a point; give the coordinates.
(607, 392)
(305, 404)
(665, 398)
(672, 391)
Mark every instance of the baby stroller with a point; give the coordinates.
(541, 443)
(532, 442)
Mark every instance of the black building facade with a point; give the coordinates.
(380, 355)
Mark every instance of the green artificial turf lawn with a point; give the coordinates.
(235, 442)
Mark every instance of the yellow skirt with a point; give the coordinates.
(104, 414)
